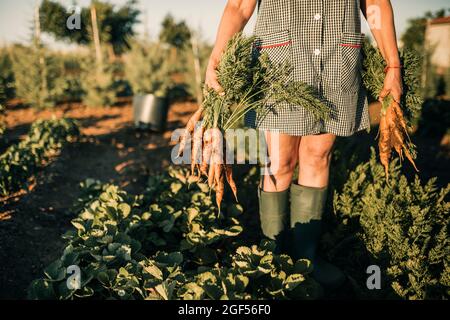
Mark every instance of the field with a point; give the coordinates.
(112, 151)
(92, 207)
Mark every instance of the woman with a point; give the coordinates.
(322, 40)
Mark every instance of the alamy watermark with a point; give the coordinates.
(73, 282)
(73, 22)
(373, 282)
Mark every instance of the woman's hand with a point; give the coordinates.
(211, 80)
(234, 18)
(392, 84)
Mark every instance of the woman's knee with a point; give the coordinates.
(316, 155)
(281, 166)
(283, 153)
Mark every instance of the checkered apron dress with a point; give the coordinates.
(322, 40)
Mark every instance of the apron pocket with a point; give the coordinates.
(351, 56)
(278, 46)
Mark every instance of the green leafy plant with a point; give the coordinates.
(401, 227)
(250, 83)
(373, 76)
(165, 244)
(255, 273)
(275, 276)
(21, 161)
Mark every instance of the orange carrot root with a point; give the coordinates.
(189, 129)
(196, 148)
(409, 157)
(219, 183)
(206, 155)
(211, 174)
(384, 145)
(392, 135)
(230, 180)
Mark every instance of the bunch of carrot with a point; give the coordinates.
(393, 130)
(393, 133)
(207, 156)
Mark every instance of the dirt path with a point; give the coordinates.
(111, 150)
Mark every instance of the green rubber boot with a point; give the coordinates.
(273, 212)
(307, 207)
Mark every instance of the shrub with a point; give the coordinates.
(147, 68)
(2, 120)
(6, 76)
(22, 160)
(38, 76)
(98, 83)
(401, 227)
(71, 66)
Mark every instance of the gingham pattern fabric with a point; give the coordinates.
(322, 40)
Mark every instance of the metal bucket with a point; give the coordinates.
(150, 112)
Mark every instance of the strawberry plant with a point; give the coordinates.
(169, 243)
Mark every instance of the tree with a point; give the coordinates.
(115, 24)
(38, 76)
(176, 34)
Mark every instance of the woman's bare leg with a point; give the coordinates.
(283, 155)
(314, 160)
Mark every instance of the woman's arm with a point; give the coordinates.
(234, 18)
(383, 30)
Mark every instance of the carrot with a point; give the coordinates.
(400, 117)
(196, 147)
(397, 142)
(410, 158)
(219, 183)
(393, 132)
(205, 158)
(230, 180)
(190, 126)
(217, 146)
(206, 152)
(384, 145)
(211, 173)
